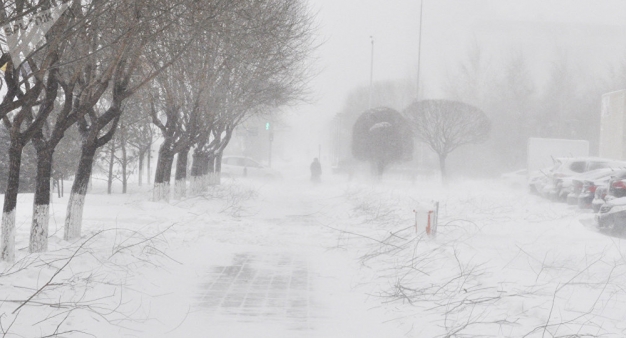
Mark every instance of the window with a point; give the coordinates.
(241, 162)
(250, 163)
(598, 165)
(577, 167)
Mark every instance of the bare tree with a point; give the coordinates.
(32, 86)
(275, 70)
(144, 38)
(141, 133)
(253, 63)
(446, 125)
(175, 112)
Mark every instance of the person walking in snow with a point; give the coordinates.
(316, 170)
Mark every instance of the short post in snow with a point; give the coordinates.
(426, 216)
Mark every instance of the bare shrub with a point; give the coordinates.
(460, 292)
(81, 283)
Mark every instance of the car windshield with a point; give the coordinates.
(577, 167)
(250, 163)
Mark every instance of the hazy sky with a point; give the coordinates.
(588, 31)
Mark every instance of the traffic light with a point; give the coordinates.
(267, 126)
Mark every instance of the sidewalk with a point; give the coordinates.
(260, 288)
(290, 283)
(282, 294)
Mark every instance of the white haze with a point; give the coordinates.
(229, 261)
(590, 34)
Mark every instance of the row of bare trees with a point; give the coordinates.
(225, 78)
(194, 68)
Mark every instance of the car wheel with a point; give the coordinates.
(609, 224)
(605, 223)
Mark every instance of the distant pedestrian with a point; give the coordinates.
(316, 170)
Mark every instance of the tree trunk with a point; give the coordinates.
(163, 173)
(111, 162)
(124, 164)
(41, 206)
(180, 185)
(76, 203)
(218, 169)
(197, 173)
(210, 170)
(7, 246)
(380, 169)
(217, 165)
(148, 169)
(442, 169)
(140, 171)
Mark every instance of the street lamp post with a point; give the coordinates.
(371, 72)
(417, 93)
(419, 51)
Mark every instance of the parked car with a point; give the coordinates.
(568, 167)
(612, 215)
(614, 188)
(239, 166)
(587, 182)
(596, 187)
(599, 197)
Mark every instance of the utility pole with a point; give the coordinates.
(417, 94)
(371, 72)
(419, 51)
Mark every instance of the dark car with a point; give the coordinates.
(612, 215)
(617, 187)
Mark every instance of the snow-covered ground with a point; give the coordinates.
(337, 259)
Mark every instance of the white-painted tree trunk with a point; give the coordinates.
(39, 238)
(7, 244)
(74, 218)
(180, 189)
(195, 184)
(161, 192)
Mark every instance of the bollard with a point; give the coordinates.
(426, 218)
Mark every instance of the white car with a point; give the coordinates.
(568, 167)
(239, 166)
